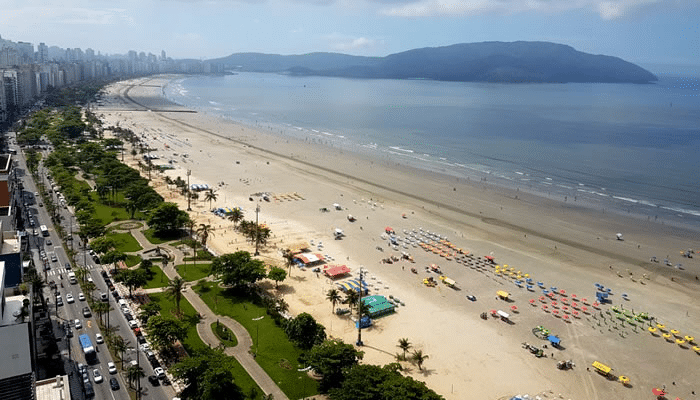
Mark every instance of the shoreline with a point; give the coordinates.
(555, 242)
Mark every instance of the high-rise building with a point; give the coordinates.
(43, 53)
(89, 54)
(162, 55)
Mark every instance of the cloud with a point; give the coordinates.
(607, 9)
(344, 43)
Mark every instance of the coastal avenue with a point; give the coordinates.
(64, 316)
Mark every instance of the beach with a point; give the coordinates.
(554, 242)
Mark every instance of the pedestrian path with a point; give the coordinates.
(241, 352)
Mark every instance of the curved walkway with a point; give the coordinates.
(241, 350)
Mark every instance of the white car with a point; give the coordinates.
(133, 324)
(96, 376)
(78, 324)
(99, 339)
(112, 368)
(69, 298)
(159, 372)
(81, 296)
(145, 347)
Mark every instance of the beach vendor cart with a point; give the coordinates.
(602, 368)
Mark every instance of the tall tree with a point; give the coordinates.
(235, 216)
(238, 269)
(419, 358)
(120, 346)
(207, 375)
(132, 278)
(305, 331)
(134, 373)
(164, 331)
(352, 298)
(277, 274)
(331, 359)
(404, 345)
(174, 290)
(334, 297)
(148, 310)
(167, 218)
(211, 196)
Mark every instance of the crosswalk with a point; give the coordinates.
(64, 271)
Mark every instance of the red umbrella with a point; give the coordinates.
(562, 292)
(542, 299)
(596, 305)
(573, 296)
(513, 308)
(545, 308)
(566, 317)
(574, 304)
(584, 301)
(575, 313)
(532, 301)
(554, 304)
(584, 309)
(565, 308)
(564, 300)
(658, 392)
(555, 313)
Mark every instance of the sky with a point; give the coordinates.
(641, 31)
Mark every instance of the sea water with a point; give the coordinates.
(624, 147)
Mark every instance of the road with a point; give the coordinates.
(57, 272)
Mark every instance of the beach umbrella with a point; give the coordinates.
(573, 296)
(554, 288)
(661, 326)
(540, 284)
(667, 336)
(675, 332)
(555, 313)
(624, 380)
(564, 300)
(562, 292)
(584, 300)
(658, 392)
(696, 349)
(574, 305)
(651, 329)
(566, 318)
(689, 338)
(575, 313)
(543, 299)
(598, 285)
(584, 309)
(545, 308)
(554, 304)
(680, 341)
(514, 308)
(565, 309)
(532, 301)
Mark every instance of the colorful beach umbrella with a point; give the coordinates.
(680, 341)
(651, 329)
(667, 336)
(661, 326)
(689, 338)
(624, 380)
(532, 301)
(696, 349)
(675, 332)
(658, 392)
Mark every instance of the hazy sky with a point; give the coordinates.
(644, 31)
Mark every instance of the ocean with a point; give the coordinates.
(632, 149)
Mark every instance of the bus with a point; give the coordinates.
(88, 349)
(44, 230)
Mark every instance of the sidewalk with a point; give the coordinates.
(241, 351)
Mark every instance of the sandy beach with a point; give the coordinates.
(554, 242)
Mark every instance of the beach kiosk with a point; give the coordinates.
(602, 368)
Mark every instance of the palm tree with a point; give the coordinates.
(351, 298)
(134, 373)
(282, 306)
(404, 345)
(120, 346)
(418, 357)
(210, 196)
(289, 258)
(334, 297)
(204, 231)
(235, 216)
(174, 290)
(190, 224)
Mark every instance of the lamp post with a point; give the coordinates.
(189, 172)
(257, 230)
(359, 313)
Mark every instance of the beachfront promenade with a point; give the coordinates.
(241, 350)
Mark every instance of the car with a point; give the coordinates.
(154, 380)
(48, 242)
(114, 384)
(103, 272)
(104, 297)
(111, 368)
(78, 324)
(59, 300)
(69, 332)
(89, 390)
(86, 312)
(81, 296)
(69, 298)
(150, 354)
(41, 204)
(154, 363)
(86, 376)
(96, 376)
(133, 324)
(159, 372)
(67, 265)
(145, 347)
(470, 297)
(99, 339)
(116, 295)
(54, 258)
(36, 194)
(89, 279)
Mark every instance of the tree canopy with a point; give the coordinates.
(207, 375)
(277, 274)
(372, 382)
(132, 278)
(167, 218)
(164, 331)
(332, 359)
(305, 331)
(238, 269)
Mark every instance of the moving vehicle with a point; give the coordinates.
(81, 296)
(154, 380)
(86, 312)
(78, 324)
(88, 349)
(114, 384)
(69, 298)
(111, 368)
(71, 278)
(159, 372)
(44, 230)
(99, 339)
(96, 376)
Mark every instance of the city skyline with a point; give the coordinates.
(640, 31)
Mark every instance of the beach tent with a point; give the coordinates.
(378, 306)
(554, 340)
(309, 258)
(336, 271)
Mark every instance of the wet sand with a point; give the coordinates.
(554, 242)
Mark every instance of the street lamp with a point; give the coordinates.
(257, 230)
(257, 335)
(359, 312)
(189, 172)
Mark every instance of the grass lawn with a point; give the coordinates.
(276, 354)
(108, 213)
(132, 260)
(159, 278)
(193, 342)
(193, 272)
(125, 242)
(150, 235)
(202, 255)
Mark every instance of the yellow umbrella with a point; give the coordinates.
(505, 265)
(696, 349)
(689, 338)
(652, 329)
(666, 336)
(680, 341)
(624, 379)
(675, 332)
(527, 275)
(661, 326)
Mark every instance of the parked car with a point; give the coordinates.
(89, 390)
(111, 368)
(69, 298)
(159, 372)
(54, 258)
(154, 380)
(68, 265)
(78, 324)
(81, 296)
(103, 296)
(99, 339)
(114, 384)
(86, 312)
(48, 243)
